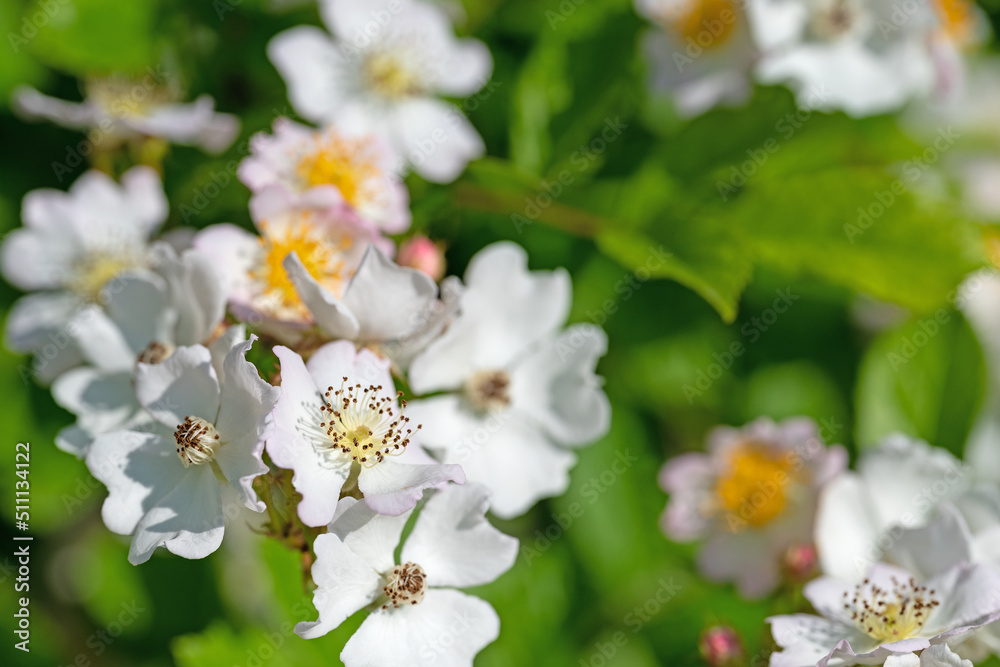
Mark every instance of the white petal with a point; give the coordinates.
(393, 487)
(100, 341)
(233, 251)
(454, 543)
(447, 629)
(940, 655)
(436, 138)
(466, 69)
(188, 521)
(332, 315)
(447, 421)
(221, 347)
(940, 545)
(73, 115)
(31, 261)
(139, 305)
(314, 69)
(372, 536)
(389, 301)
(138, 469)
(345, 583)
(37, 319)
(903, 660)
(968, 593)
(195, 123)
(518, 464)
(245, 402)
(196, 292)
(289, 444)
(557, 386)
(846, 537)
(185, 385)
(102, 401)
(144, 197)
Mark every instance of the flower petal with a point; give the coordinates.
(314, 69)
(393, 487)
(330, 313)
(185, 385)
(372, 536)
(435, 137)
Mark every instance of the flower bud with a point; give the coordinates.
(422, 254)
(801, 561)
(720, 646)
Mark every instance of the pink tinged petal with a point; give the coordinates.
(144, 197)
(138, 469)
(454, 543)
(233, 251)
(345, 584)
(687, 478)
(747, 558)
(188, 520)
(518, 464)
(246, 400)
(446, 628)
(185, 385)
(314, 69)
(330, 313)
(391, 487)
(435, 137)
(272, 201)
(940, 545)
(556, 385)
(372, 536)
(846, 537)
(290, 442)
(389, 301)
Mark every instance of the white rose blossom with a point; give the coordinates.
(119, 108)
(351, 173)
(521, 391)
(167, 483)
(148, 314)
(73, 246)
(386, 77)
(413, 609)
(751, 498)
(338, 424)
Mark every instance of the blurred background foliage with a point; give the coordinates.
(594, 560)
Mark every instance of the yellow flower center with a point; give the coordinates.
(752, 488)
(709, 23)
(322, 254)
(890, 615)
(94, 273)
(347, 164)
(363, 423)
(958, 19)
(390, 75)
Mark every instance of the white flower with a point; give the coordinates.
(979, 299)
(253, 267)
(338, 423)
(73, 245)
(382, 71)
(701, 53)
(147, 315)
(415, 618)
(896, 485)
(520, 389)
(119, 108)
(351, 173)
(386, 307)
(751, 498)
(862, 56)
(166, 484)
(888, 618)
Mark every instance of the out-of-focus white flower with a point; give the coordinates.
(702, 52)
(253, 267)
(118, 108)
(414, 611)
(979, 299)
(896, 486)
(863, 56)
(890, 618)
(338, 423)
(148, 314)
(353, 174)
(166, 484)
(519, 389)
(383, 70)
(74, 245)
(751, 498)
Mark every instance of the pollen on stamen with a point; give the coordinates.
(890, 614)
(364, 423)
(197, 441)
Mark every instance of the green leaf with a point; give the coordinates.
(925, 379)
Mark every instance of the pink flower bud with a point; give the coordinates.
(720, 646)
(422, 254)
(801, 561)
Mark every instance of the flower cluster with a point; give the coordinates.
(906, 547)
(861, 56)
(151, 341)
